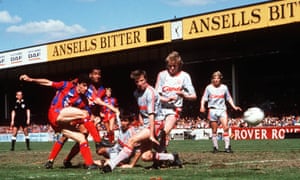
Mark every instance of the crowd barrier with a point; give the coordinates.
(34, 137)
(236, 133)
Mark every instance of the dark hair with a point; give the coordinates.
(217, 73)
(127, 116)
(137, 73)
(83, 78)
(95, 68)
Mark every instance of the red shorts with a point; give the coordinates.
(107, 117)
(52, 117)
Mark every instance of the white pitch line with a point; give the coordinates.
(261, 161)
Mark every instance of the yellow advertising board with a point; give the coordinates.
(109, 42)
(242, 19)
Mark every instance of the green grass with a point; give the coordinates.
(253, 159)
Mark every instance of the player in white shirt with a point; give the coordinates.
(126, 131)
(149, 113)
(173, 85)
(216, 94)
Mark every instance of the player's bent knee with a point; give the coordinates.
(76, 136)
(81, 138)
(147, 156)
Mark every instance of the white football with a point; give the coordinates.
(254, 116)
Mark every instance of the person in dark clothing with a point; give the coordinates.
(20, 118)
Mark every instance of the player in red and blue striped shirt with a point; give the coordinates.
(69, 110)
(95, 93)
(108, 115)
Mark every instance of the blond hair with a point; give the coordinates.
(174, 57)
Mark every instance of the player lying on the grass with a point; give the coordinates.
(68, 110)
(143, 150)
(149, 112)
(126, 130)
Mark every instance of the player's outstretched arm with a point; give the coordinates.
(40, 81)
(102, 103)
(152, 127)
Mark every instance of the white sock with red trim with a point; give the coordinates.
(125, 153)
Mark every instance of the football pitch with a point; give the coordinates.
(251, 159)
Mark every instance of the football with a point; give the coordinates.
(253, 116)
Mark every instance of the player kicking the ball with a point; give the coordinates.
(67, 107)
(69, 113)
(215, 94)
(174, 86)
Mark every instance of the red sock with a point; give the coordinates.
(86, 153)
(55, 150)
(74, 151)
(89, 125)
(111, 136)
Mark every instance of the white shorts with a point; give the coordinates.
(172, 111)
(216, 114)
